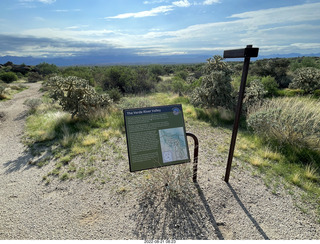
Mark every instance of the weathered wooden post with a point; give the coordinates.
(245, 53)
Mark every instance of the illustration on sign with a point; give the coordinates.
(173, 144)
(156, 137)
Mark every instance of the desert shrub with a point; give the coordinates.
(47, 69)
(215, 88)
(115, 94)
(270, 85)
(290, 92)
(307, 79)
(2, 90)
(34, 77)
(304, 62)
(179, 85)
(76, 96)
(276, 68)
(293, 121)
(165, 85)
(33, 104)
(8, 77)
(317, 93)
(128, 80)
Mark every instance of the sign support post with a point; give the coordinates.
(245, 53)
(195, 156)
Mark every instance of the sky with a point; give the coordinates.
(161, 28)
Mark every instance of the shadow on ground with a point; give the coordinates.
(254, 222)
(26, 161)
(163, 216)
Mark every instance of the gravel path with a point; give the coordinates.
(243, 209)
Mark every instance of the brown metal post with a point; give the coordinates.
(195, 156)
(247, 52)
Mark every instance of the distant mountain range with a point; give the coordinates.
(128, 60)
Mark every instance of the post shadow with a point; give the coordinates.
(255, 223)
(211, 217)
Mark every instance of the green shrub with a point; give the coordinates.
(307, 79)
(270, 85)
(304, 62)
(76, 96)
(179, 85)
(115, 94)
(276, 68)
(34, 77)
(290, 92)
(47, 69)
(165, 85)
(317, 93)
(8, 77)
(292, 121)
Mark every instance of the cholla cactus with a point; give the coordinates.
(254, 95)
(307, 79)
(215, 86)
(76, 96)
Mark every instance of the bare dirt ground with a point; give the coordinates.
(243, 209)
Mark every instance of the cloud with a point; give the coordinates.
(156, 1)
(183, 3)
(66, 10)
(279, 28)
(41, 1)
(152, 12)
(46, 1)
(282, 30)
(210, 2)
(298, 13)
(13, 45)
(75, 27)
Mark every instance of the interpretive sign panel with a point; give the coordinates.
(156, 137)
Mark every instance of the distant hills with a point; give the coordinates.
(128, 60)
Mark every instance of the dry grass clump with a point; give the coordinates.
(294, 121)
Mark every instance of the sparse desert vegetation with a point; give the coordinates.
(76, 130)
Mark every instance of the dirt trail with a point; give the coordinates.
(14, 112)
(14, 168)
(243, 209)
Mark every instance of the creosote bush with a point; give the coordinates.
(76, 96)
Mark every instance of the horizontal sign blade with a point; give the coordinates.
(241, 53)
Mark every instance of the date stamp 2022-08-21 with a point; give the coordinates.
(160, 241)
